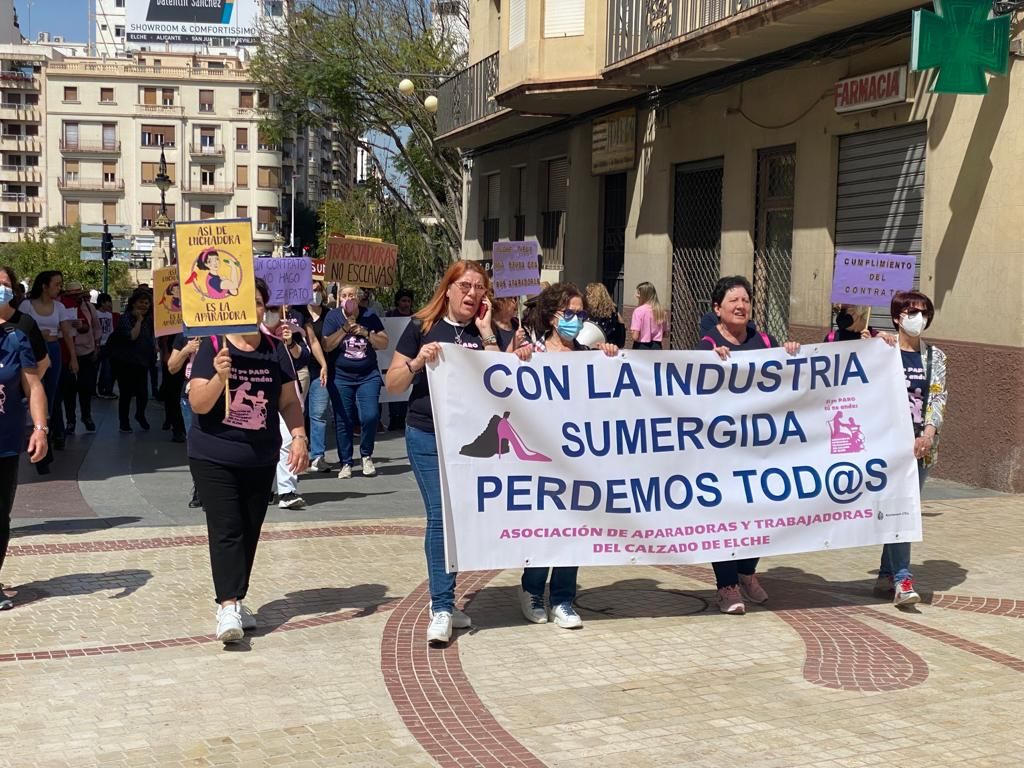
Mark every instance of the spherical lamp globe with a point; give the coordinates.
(406, 87)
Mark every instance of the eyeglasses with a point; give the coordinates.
(467, 287)
(911, 311)
(570, 314)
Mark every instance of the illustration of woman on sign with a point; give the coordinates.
(172, 298)
(215, 275)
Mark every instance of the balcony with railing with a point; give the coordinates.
(25, 113)
(19, 202)
(106, 69)
(16, 141)
(17, 79)
(77, 184)
(89, 148)
(468, 97)
(16, 234)
(670, 41)
(159, 110)
(210, 190)
(212, 151)
(29, 173)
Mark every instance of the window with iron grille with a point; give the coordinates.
(492, 209)
(553, 219)
(773, 239)
(519, 219)
(696, 246)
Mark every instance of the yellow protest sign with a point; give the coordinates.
(364, 262)
(166, 301)
(215, 266)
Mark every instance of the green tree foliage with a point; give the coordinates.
(367, 212)
(338, 63)
(59, 248)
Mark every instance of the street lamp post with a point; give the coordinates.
(163, 226)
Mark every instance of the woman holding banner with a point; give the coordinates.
(924, 368)
(730, 301)
(352, 336)
(233, 452)
(559, 318)
(451, 316)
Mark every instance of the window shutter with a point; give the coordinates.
(71, 134)
(109, 212)
(516, 23)
(563, 18)
(109, 136)
(494, 196)
(558, 184)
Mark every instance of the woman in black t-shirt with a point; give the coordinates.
(233, 452)
(730, 301)
(318, 401)
(451, 316)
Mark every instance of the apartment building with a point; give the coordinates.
(322, 162)
(678, 140)
(110, 119)
(22, 141)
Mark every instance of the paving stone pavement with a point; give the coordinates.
(109, 660)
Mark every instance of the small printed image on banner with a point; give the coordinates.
(215, 267)
(166, 301)
(365, 263)
(290, 280)
(516, 268)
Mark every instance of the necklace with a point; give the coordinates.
(458, 327)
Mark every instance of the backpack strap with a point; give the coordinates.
(766, 339)
(831, 335)
(710, 341)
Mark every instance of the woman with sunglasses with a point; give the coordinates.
(558, 319)
(458, 313)
(924, 368)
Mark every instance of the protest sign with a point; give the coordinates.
(319, 269)
(290, 280)
(672, 457)
(215, 266)
(166, 301)
(871, 278)
(360, 262)
(516, 266)
(394, 327)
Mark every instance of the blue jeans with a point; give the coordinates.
(422, 450)
(316, 408)
(186, 413)
(356, 402)
(896, 557)
(563, 583)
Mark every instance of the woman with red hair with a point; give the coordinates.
(452, 316)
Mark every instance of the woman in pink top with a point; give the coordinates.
(649, 322)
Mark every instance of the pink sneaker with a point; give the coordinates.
(730, 601)
(752, 590)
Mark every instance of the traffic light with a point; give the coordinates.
(107, 251)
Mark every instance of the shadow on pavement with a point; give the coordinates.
(367, 598)
(76, 584)
(314, 497)
(72, 526)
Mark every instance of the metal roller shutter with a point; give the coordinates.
(880, 195)
(558, 184)
(516, 23)
(564, 18)
(494, 196)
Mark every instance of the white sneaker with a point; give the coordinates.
(565, 616)
(440, 628)
(291, 501)
(905, 594)
(248, 619)
(319, 464)
(532, 607)
(229, 623)
(461, 620)
(368, 469)
(345, 473)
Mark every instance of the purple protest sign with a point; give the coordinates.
(290, 280)
(871, 278)
(516, 268)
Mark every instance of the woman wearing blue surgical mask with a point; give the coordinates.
(924, 369)
(558, 318)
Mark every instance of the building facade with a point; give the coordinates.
(22, 141)
(679, 141)
(109, 120)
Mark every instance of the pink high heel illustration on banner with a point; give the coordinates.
(499, 437)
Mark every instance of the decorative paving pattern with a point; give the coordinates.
(993, 606)
(434, 698)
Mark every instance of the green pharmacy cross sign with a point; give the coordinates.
(963, 41)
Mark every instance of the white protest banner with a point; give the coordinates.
(394, 327)
(672, 457)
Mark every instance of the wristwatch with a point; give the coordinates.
(492, 339)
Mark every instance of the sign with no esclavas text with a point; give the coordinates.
(672, 457)
(166, 301)
(365, 263)
(215, 267)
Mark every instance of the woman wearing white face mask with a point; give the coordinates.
(318, 402)
(924, 367)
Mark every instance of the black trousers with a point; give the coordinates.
(170, 391)
(82, 387)
(728, 572)
(235, 501)
(132, 381)
(8, 487)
